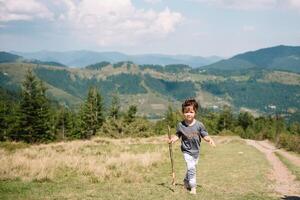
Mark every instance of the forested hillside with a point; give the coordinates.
(279, 57)
(153, 87)
(252, 89)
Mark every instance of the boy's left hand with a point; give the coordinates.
(210, 141)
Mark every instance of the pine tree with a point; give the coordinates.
(130, 115)
(9, 119)
(114, 110)
(42, 125)
(245, 120)
(226, 119)
(74, 125)
(64, 123)
(4, 112)
(92, 113)
(34, 112)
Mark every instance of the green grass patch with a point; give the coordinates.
(13, 146)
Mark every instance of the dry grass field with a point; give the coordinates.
(132, 168)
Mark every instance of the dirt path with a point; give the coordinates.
(285, 183)
(292, 158)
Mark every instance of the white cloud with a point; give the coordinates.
(102, 22)
(153, 1)
(117, 22)
(249, 4)
(248, 28)
(252, 4)
(12, 10)
(294, 4)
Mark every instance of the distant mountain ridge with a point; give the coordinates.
(6, 57)
(278, 57)
(84, 58)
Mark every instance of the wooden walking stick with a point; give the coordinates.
(171, 156)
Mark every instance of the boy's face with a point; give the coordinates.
(189, 113)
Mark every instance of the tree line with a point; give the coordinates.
(36, 119)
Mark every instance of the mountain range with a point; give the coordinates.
(84, 58)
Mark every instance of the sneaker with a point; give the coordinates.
(193, 191)
(186, 185)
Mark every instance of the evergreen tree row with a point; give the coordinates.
(34, 120)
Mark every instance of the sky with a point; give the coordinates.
(191, 27)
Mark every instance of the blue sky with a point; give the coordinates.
(195, 27)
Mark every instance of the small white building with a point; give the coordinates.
(272, 106)
(215, 107)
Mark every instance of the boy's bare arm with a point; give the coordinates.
(209, 140)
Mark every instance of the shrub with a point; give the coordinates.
(289, 142)
(239, 131)
(226, 132)
(119, 128)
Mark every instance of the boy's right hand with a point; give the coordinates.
(172, 140)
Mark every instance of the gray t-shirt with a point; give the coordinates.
(191, 137)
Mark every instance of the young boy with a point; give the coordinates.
(190, 131)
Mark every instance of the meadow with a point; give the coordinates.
(131, 168)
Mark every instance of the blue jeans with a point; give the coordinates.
(190, 176)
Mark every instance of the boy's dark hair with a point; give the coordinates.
(190, 102)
